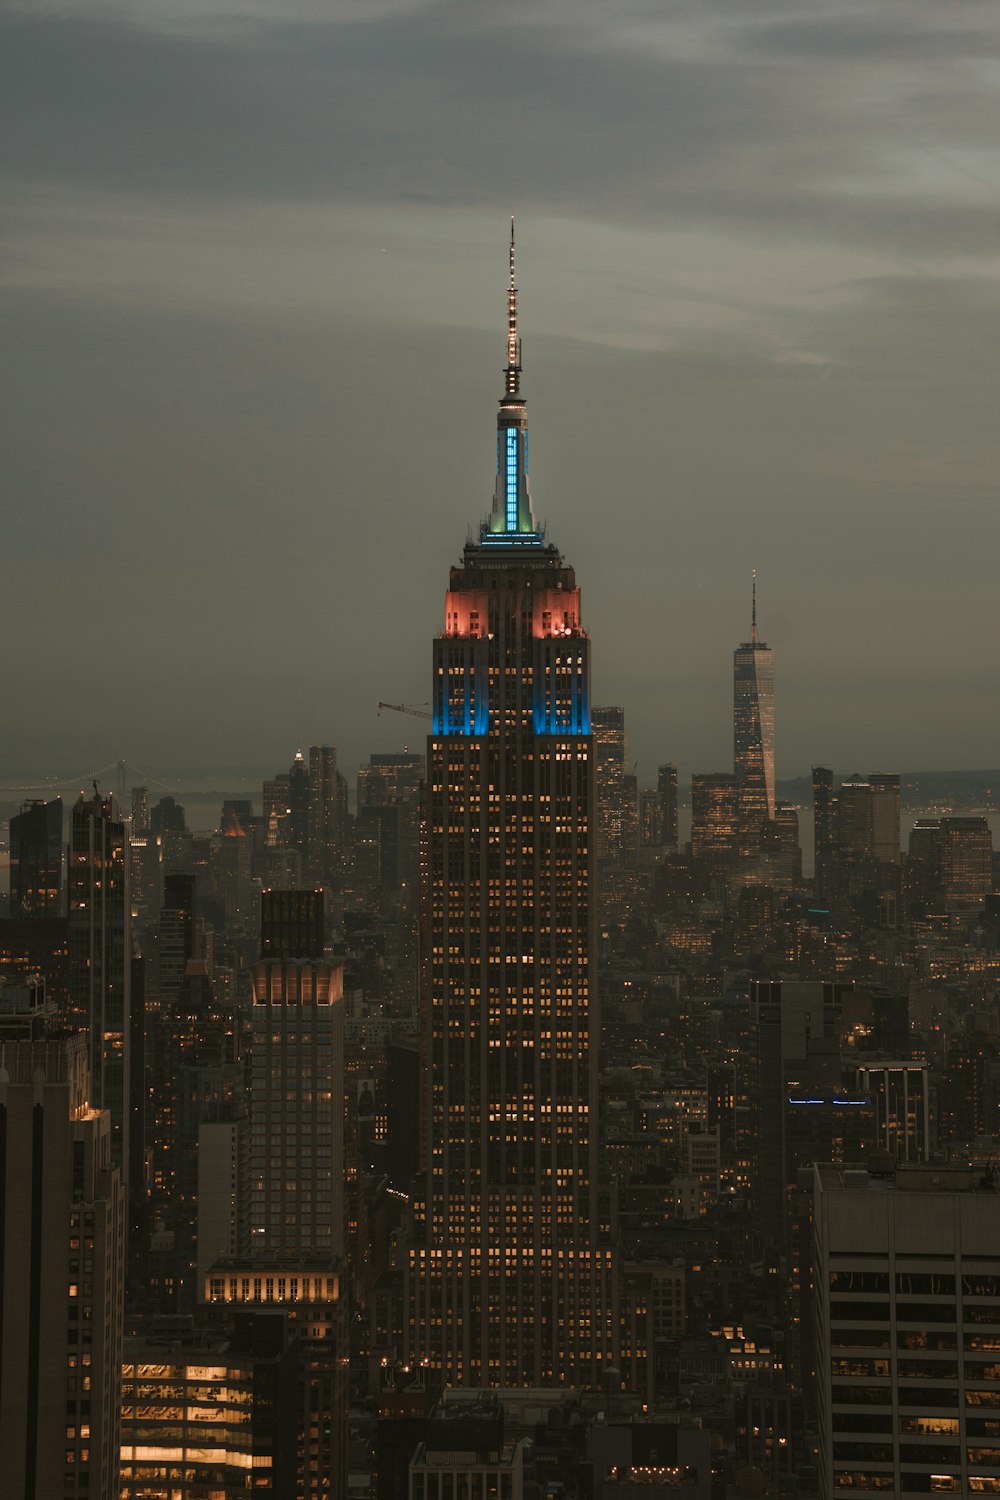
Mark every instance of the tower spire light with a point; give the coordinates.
(513, 371)
(512, 518)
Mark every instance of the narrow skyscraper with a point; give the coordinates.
(753, 734)
(509, 1279)
(666, 790)
(100, 955)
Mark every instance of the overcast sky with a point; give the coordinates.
(252, 275)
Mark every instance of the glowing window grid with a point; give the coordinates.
(511, 478)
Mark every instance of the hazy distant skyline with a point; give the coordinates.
(252, 273)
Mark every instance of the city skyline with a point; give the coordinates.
(790, 360)
(548, 1044)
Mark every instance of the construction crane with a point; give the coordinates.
(416, 710)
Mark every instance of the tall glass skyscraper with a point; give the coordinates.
(753, 734)
(510, 1278)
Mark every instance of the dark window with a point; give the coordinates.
(873, 1453)
(978, 1284)
(928, 1395)
(859, 1281)
(859, 1338)
(929, 1453)
(921, 1339)
(925, 1283)
(862, 1395)
(926, 1312)
(927, 1369)
(861, 1421)
(873, 1312)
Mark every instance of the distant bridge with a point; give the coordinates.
(118, 768)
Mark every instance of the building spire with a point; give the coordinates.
(513, 371)
(512, 516)
(753, 616)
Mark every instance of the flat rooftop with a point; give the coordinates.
(848, 1178)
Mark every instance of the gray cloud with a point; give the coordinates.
(445, 107)
(251, 276)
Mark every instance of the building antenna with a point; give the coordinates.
(753, 616)
(513, 371)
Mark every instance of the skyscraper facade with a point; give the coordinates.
(884, 818)
(616, 792)
(824, 815)
(908, 1325)
(297, 1108)
(753, 733)
(100, 954)
(714, 817)
(209, 1413)
(36, 849)
(666, 788)
(325, 832)
(61, 1263)
(510, 1279)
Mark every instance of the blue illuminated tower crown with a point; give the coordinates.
(512, 519)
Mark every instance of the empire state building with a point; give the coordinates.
(509, 1277)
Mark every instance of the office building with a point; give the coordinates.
(232, 868)
(36, 852)
(297, 1108)
(167, 817)
(753, 734)
(653, 1460)
(201, 1134)
(61, 1262)
(305, 811)
(100, 955)
(900, 1093)
(298, 804)
(388, 780)
(715, 818)
(327, 818)
(666, 787)
(952, 859)
(781, 852)
(310, 1291)
(616, 791)
(207, 1413)
(175, 946)
(856, 835)
(292, 924)
(908, 1328)
(883, 818)
(277, 809)
(649, 819)
(146, 851)
(510, 1277)
(395, 781)
(853, 825)
(464, 1452)
(297, 1174)
(802, 1109)
(140, 809)
(824, 804)
(37, 945)
(223, 1189)
(966, 859)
